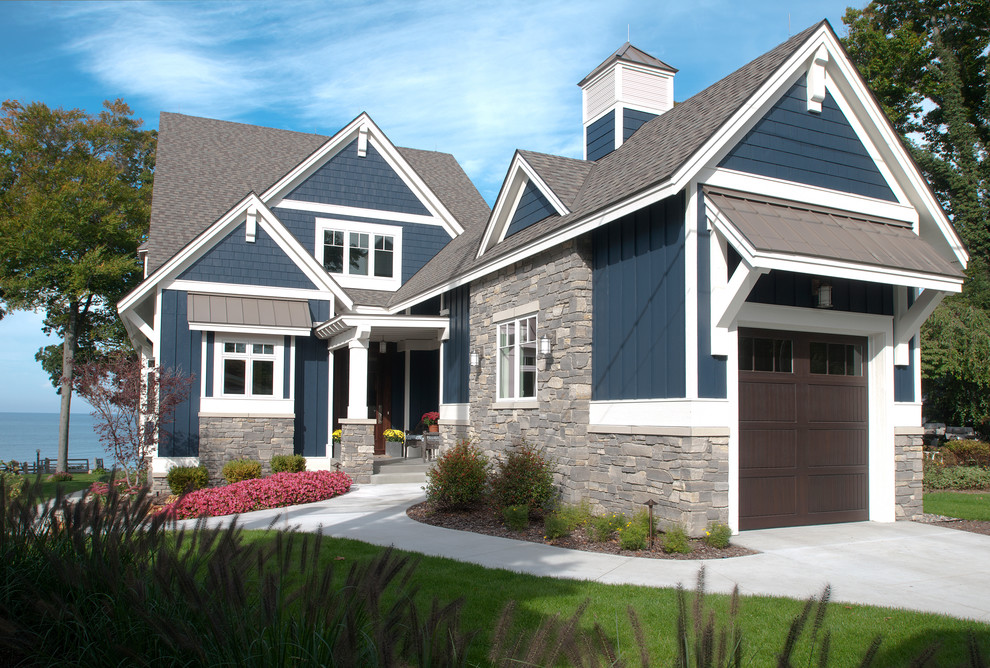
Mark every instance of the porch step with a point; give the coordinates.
(398, 470)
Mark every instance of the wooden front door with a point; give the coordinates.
(380, 389)
(803, 432)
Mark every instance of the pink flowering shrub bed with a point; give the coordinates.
(275, 491)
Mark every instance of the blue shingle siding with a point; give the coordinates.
(794, 144)
(600, 136)
(632, 119)
(456, 353)
(234, 260)
(712, 372)
(368, 183)
(312, 402)
(784, 288)
(638, 316)
(419, 242)
(424, 383)
(532, 208)
(181, 349)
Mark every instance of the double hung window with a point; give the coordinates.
(248, 369)
(517, 359)
(351, 253)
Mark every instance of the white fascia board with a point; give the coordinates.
(506, 202)
(369, 215)
(241, 290)
(249, 329)
(530, 177)
(827, 321)
(385, 148)
(370, 321)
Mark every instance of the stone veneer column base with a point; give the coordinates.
(357, 449)
(451, 433)
(908, 473)
(222, 439)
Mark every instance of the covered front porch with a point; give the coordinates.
(384, 374)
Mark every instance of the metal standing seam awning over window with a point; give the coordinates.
(248, 314)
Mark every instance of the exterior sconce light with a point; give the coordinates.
(382, 347)
(545, 346)
(822, 292)
(475, 355)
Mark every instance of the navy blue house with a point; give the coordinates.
(716, 308)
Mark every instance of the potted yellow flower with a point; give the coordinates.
(394, 435)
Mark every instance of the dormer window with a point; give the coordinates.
(360, 254)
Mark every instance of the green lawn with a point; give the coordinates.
(79, 481)
(764, 620)
(958, 504)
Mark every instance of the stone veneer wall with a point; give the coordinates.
(357, 449)
(908, 475)
(222, 439)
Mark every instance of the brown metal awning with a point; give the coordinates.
(245, 312)
(773, 232)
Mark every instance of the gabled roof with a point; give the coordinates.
(630, 54)
(564, 176)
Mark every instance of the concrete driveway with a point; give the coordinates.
(904, 564)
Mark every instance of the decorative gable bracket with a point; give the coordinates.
(251, 225)
(908, 319)
(728, 295)
(816, 80)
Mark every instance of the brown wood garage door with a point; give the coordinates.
(803, 437)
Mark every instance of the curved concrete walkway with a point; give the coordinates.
(903, 565)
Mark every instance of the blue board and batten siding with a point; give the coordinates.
(532, 208)
(368, 182)
(817, 149)
(234, 260)
(424, 383)
(784, 288)
(312, 399)
(712, 372)
(632, 120)
(600, 137)
(181, 350)
(638, 346)
(456, 349)
(419, 242)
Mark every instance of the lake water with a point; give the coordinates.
(22, 434)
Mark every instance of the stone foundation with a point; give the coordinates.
(222, 439)
(357, 449)
(908, 475)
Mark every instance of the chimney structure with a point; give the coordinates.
(621, 94)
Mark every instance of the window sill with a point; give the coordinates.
(524, 404)
(229, 406)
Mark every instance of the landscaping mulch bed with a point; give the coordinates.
(489, 522)
(973, 526)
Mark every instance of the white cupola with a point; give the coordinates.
(621, 94)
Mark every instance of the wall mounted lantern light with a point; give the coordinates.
(822, 293)
(475, 355)
(545, 346)
(382, 347)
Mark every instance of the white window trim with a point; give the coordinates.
(278, 382)
(369, 282)
(516, 401)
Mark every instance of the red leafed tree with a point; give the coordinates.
(132, 405)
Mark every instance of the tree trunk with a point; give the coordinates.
(68, 359)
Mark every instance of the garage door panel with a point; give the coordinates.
(767, 448)
(837, 447)
(777, 497)
(835, 403)
(768, 402)
(838, 493)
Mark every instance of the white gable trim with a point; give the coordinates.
(368, 215)
(520, 174)
(209, 237)
(373, 136)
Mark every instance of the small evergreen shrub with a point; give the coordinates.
(718, 535)
(642, 518)
(675, 540)
(603, 526)
(288, 463)
(187, 478)
(60, 476)
(524, 477)
(633, 535)
(556, 525)
(458, 478)
(968, 452)
(574, 515)
(13, 484)
(516, 517)
(956, 477)
(241, 469)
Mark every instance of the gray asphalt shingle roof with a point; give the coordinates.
(630, 54)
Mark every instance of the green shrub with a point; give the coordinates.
(288, 464)
(633, 536)
(516, 517)
(524, 477)
(556, 525)
(60, 476)
(968, 453)
(675, 540)
(13, 484)
(100, 471)
(718, 535)
(573, 515)
(241, 469)
(458, 478)
(642, 518)
(183, 478)
(956, 477)
(603, 526)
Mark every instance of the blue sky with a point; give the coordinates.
(477, 80)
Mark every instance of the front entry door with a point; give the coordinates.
(380, 389)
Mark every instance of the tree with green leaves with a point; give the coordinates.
(926, 60)
(75, 198)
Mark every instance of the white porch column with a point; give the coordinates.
(357, 402)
